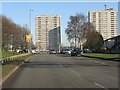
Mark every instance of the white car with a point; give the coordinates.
(52, 51)
(18, 50)
(66, 51)
(33, 51)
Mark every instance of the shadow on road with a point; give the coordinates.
(66, 55)
(41, 64)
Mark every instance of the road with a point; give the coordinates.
(63, 71)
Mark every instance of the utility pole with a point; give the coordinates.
(30, 10)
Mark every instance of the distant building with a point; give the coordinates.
(48, 32)
(105, 22)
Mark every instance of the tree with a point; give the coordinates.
(94, 40)
(75, 29)
(24, 32)
(13, 34)
(6, 30)
(83, 33)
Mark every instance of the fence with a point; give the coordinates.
(8, 59)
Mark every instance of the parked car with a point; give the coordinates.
(33, 51)
(87, 50)
(52, 51)
(19, 51)
(76, 52)
(66, 51)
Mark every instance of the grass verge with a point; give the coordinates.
(104, 56)
(10, 66)
(5, 54)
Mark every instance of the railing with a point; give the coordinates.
(8, 59)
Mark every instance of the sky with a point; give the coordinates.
(18, 12)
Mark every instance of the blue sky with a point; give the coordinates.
(19, 12)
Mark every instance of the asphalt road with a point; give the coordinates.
(63, 71)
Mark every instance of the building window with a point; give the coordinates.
(112, 26)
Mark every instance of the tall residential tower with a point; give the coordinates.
(105, 22)
(48, 32)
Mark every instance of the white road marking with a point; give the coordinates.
(101, 86)
(97, 62)
(74, 72)
(94, 82)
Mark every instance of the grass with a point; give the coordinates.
(0, 55)
(10, 66)
(5, 54)
(7, 68)
(105, 56)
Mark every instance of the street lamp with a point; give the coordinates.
(30, 10)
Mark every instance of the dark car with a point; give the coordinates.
(76, 52)
(52, 51)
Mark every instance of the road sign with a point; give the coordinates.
(28, 38)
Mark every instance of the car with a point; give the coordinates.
(19, 51)
(52, 51)
(33, 51)
(76, 52)
(66, 51)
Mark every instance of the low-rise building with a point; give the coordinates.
(112, 45)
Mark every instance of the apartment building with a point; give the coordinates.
(105, 22)
(48, 32)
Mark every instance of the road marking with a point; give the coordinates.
(97, 62)
(74, 72)
(100, 86)
(94, 82)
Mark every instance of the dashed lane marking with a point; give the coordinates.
(101, 86)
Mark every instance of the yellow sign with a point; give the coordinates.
(28, 38)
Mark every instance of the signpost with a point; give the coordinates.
(28, 40)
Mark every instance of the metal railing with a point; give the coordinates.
(15, 57)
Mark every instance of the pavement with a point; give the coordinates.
(64, 71)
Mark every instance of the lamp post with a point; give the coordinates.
(30, 10)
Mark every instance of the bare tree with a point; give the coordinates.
(24, 32)
(83, 32)
(76, 29)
